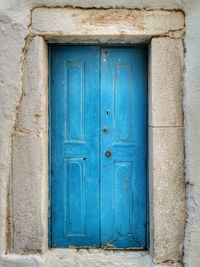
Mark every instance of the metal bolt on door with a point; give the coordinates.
(98, 146)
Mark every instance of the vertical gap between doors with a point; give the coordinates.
(100, 244)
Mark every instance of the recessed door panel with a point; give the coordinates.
(123, 101)
(75, 197)
(74, 95)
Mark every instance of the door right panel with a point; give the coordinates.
(123, 147)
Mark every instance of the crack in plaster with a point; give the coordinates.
(10, 226)
(173, 10)
(25, 49)
(166, 126)
(171, 34)
(184, 142)
(9, 204)
(23, 131)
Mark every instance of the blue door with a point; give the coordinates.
(98, 146)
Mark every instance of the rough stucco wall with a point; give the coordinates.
(192, 134)
(166, 57)
(14, 18)
(13, 31)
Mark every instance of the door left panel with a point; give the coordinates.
(75, 145)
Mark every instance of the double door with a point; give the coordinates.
(98, 146)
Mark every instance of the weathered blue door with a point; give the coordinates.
(98, 146)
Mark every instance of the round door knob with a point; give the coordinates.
(108, 154)
(105, 129)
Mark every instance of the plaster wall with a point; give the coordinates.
(15, 19)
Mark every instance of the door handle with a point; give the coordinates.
(108, 154)
(105, 129)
